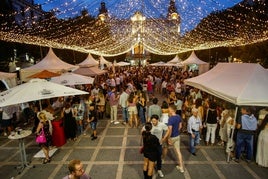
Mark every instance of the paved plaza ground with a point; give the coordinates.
(115, 155)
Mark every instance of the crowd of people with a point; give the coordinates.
(136, 93)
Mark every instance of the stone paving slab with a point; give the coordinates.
(39, 172)
(103, 171)
(112, 141)
(108, 155)
(134, 141)
(201, 171)
(235, 171)
(81, 154)
(115, 131)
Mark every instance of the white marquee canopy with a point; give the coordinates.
(237, 83)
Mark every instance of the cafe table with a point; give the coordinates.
(20, 136)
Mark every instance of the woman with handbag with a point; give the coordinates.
(44, 129)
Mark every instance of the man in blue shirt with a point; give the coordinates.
(174, 125)
(246, 126)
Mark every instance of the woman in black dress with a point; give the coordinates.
(69, 122)
(150, 145)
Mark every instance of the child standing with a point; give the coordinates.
(92, 119)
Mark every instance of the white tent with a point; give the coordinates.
(88, 62)
(104, 61)
(89, 71)
(237, 83)
(51, 62)
(36, 89)
(72, 79)
(10, 78)
(193, 59)
(175, 60)
(122, 64)
(160, 63)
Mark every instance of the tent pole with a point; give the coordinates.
(40, 105)
(231, 136)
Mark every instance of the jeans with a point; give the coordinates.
(80, 129)
(159, 158)
(125, 114)
(247, 139)
(194, 141)
(142, 115)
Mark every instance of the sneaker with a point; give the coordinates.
(236, 160)
(248, 161)
(93, 138)
(160, 174)
(116, 122)
(5, 134)
(180, 169)
(194, 154)
(124, 123)
(112, 122)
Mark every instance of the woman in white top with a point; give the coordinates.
(262, 152)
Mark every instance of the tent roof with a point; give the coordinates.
(89, 71)
(44, 74)
(193, 59)
(104, 61)
(89, 61)
(122, 64)
(175, 60)
(238, 83)
(4, 75)
(72, 79)
(51, 62)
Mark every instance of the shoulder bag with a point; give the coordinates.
(41, 138)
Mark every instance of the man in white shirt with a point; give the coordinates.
(158, 129)
(123, 103)
(193, 127)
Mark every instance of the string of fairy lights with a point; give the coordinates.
(69, 29)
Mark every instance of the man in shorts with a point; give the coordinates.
(92, 119)
(174, 126)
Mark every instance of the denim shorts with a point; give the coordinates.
(93, 125)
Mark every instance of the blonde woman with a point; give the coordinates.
(45, 124)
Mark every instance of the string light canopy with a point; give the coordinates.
(80, 25)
